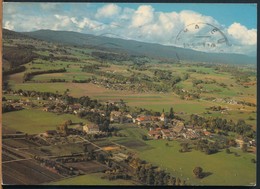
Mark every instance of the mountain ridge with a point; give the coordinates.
(137, 47)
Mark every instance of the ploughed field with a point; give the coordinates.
(27, 172)
(19, 168)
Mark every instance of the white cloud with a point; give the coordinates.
(190, 17)
(242, 35)
(143, 15)
(109, 10)
(8, 25)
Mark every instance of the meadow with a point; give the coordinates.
(32, 121)
(93, 179)
(230, 170)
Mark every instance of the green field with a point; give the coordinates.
(224, 169)
(92, 179)
(36, 121)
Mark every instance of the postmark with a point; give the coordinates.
(202, 37)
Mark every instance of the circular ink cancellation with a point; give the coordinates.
(202, 37)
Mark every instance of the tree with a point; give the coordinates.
(197, 171)
(185, 147)
(68, 122)
(171, 114)
(150, 177)
(228, 151)
(144, 137)
(101, 158)
(253, 160)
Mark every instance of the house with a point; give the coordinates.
(166, 134)
(128, 118)
(76, 106)
(47, 109)
(141, 120)
(91, 128)
(155, 118)
(155, 134)
(207, 133)
(240, 142)
(178, 129)
(252, 143)
(191, 134)
(115, 116)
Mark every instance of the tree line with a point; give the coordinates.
(29, 75)
(17, 56)
(14, 70)
(212, 124)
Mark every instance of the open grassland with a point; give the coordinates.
(67, 76)
(92, 179)
(36, 121)
(222, 168)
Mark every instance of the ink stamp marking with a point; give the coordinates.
(202, 36)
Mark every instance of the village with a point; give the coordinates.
(158, 127)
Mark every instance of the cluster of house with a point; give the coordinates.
(157, 126)
(20, 104)
(89, 128)
(120, 117)
(58, 106)
(61, 107)
(177, 130)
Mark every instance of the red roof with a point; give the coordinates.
(154, 132)
(143, 118)
(207, 133)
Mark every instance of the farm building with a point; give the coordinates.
(91, 128)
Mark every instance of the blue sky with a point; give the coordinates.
(245, 14)
(154, 22)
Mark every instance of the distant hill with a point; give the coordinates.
(8, 34)
(138, 48)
